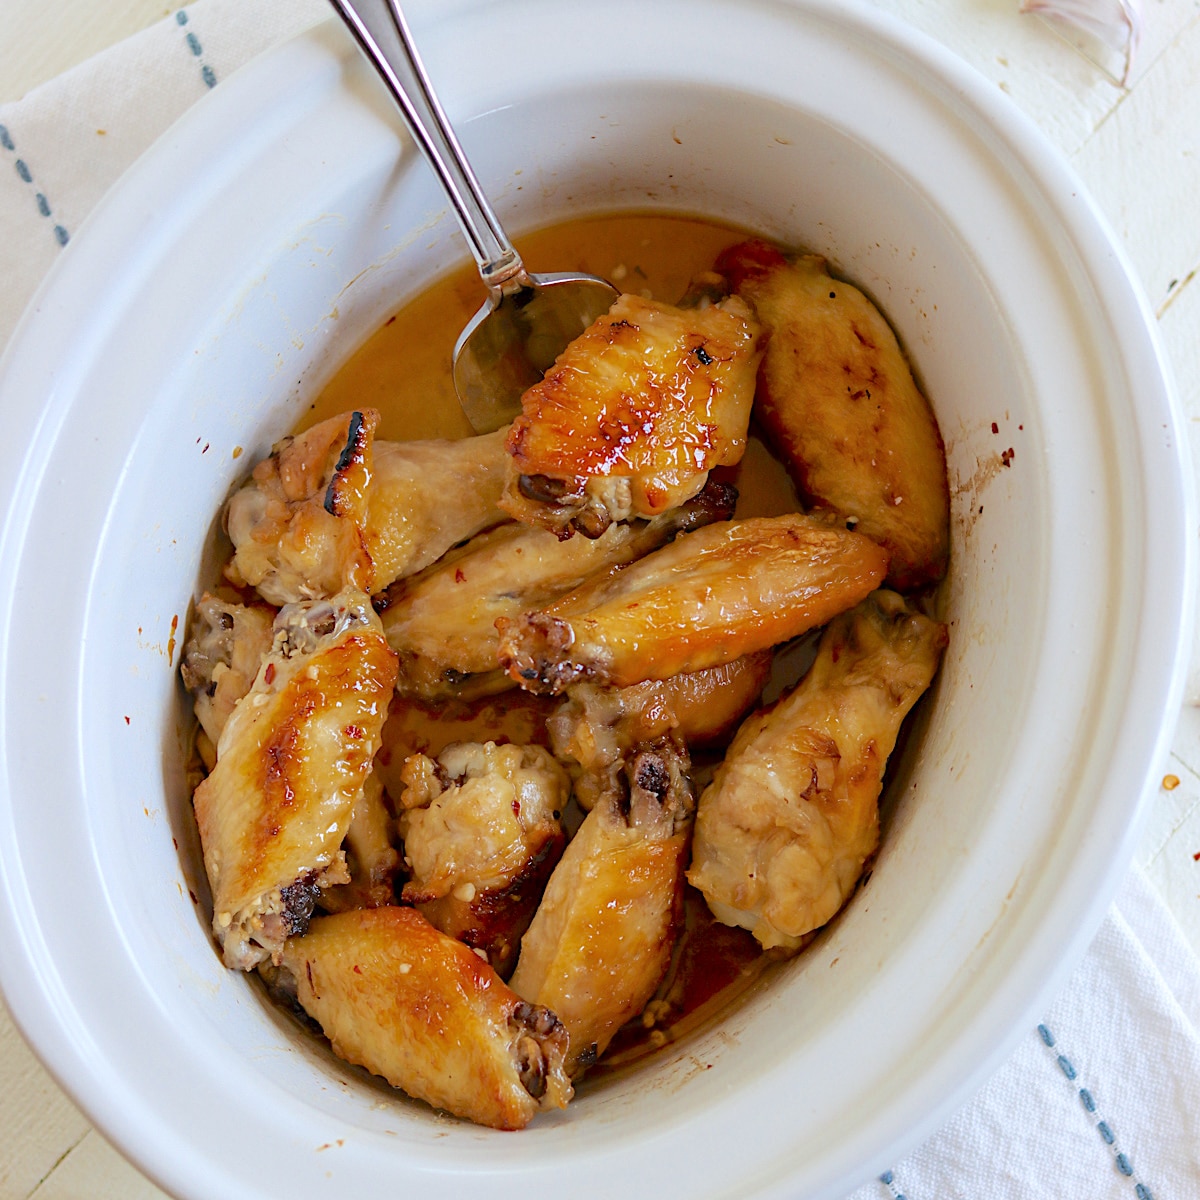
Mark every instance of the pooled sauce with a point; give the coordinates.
(404, 370)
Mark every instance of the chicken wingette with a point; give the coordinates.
(633, 415)
(442, 621)
(333, 508)
(602, 936)
(792, 814)
(840, 405)
(708, 598)
(394, 995)
(292, 761)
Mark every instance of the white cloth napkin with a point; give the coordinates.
(1102, 1099)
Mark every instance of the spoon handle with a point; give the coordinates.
(383, 36)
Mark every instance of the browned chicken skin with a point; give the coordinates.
(292, 762)
(602, 936)
(710, 597)
(792, 815)
(442, 622)
(633, 415)
(838, 399)
(482, 828)
(419, 1008)
(333, 508)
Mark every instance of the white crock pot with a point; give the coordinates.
(254, 247)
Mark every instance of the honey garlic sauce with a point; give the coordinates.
(404, 370)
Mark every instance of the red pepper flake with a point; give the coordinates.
(459, 577)
(1196, 856)
(995, 427)
(1007, 457)
(126, 720)
(516, 807)
(357, 969)
(269, 673)
(353, 732)
(1170, 782)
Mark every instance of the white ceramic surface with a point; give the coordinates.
(253, 249)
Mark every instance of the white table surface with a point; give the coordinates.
(1137, 149)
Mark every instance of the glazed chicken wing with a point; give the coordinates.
(333, 508)
(420, 1009)
(792, 815)
(442, 622)
(482, 831)
(633, 415)
(597, 727)
(707, 599)
(602, 937)
(225, 647)
(292, 761)
(839, 402)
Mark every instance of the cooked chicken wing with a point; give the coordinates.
(633, 415)
(602, 936)
(225, 647)
(839, 401)
(413, 1005)
(371, 858)
(482, 827)
(708, 598)
(784, 829)
(598, 727)
(333, 508)
(442, 622)
(292, 762)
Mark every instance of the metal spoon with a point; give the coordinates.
(526, 319)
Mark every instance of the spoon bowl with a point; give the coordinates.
(526, 320)
(512, 340)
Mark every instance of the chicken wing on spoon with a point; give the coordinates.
(792, 815)
(292, 762)
(442, 622)
(708, 598)
(333, 508)
(633, 415)
(408, 1003)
